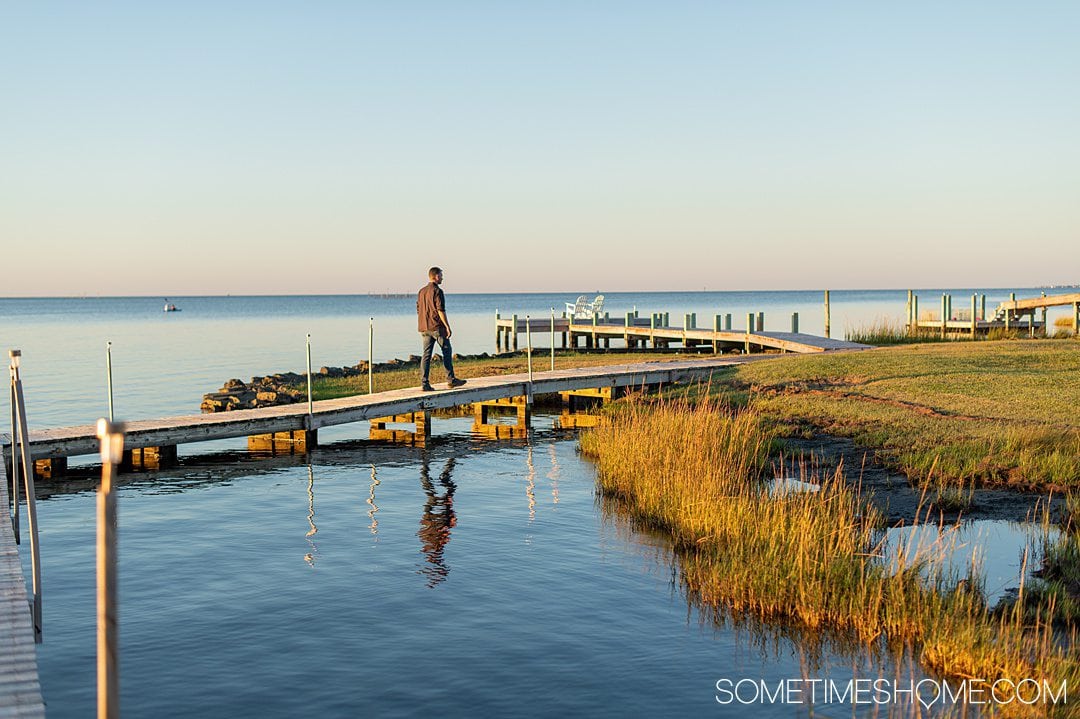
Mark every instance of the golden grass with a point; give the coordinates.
(808, 559)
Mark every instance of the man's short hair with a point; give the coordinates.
(434, 272)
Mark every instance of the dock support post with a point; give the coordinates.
(982, 308)
(795, 323)
(287, 442)
(149, 458)
(914, 327)
(717, 323)
(552, 339)
(498, 331)
(727, 322)
(974, 322)
(421, 422)
(760, 322)
(944, 314)
(749, 329)
(652, 330)
(522, 407)
(828, 316)
(908, 308)
(513, 333)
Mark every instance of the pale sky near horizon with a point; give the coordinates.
(343, 147)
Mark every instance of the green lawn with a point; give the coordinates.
(992, 413)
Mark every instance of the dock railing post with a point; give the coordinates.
(760, 322)
(498, 331)
(629, 320)
(913, 328)
(108, 376)
(310, 412)
(111, 436)
(749, 329)
(717, 323)
(528, 352)
(908, 309)
(15, 458)
(22, 438)
(828, 317)
(371, 355)
(514, 333)
(552, 339)
(974, 322)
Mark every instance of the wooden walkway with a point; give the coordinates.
(647, 332)
(20, 692)
(172, 431)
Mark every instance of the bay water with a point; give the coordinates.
(465, 578)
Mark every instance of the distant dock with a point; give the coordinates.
(656, 331)
(1013, 315)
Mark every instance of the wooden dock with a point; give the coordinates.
(20, 691)
(292, 423)
(657, 332)
(1013, 315)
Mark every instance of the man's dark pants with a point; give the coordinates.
(429, 339)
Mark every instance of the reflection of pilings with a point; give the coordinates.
(530, 483)
(553, 475)
(374, 526)
(436, 521)
(310, 556)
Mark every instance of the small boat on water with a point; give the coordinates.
(170, 307)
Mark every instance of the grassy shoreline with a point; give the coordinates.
(989, 414)
(694, 469)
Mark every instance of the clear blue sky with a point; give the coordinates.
(188, 148)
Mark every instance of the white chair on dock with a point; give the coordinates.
(596, 306)
(576, 310)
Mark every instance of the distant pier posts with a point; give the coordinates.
(482, 412)
(297, 441)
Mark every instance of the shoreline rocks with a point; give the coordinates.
(290, 387)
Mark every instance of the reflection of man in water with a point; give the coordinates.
(437, 520)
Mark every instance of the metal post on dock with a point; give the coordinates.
(552, 339)
(108, 376)
(371, 355)
(828, 316)
(21, 437)
(795, 323)
(528, 352)
(14, 508)
(310, 411)
(111, 436)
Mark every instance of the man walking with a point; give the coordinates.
(434, 327)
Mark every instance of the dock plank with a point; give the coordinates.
(20, 689)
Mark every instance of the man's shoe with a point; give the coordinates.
(455, 382)
(426, 388)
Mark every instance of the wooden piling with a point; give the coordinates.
(795, 323)
(514, 333)
(828, 316)
(944, 314)
(974, 321)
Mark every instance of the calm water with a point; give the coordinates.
(472, 577)
(164, 363)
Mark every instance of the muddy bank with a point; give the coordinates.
(894, 495)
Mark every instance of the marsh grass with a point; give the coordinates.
(884, 332)
(696, 470)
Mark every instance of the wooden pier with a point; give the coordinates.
(656, 331)
(291, 428)
(20, 691)
(1013, 315)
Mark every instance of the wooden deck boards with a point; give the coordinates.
(20, 691)
(82, 440)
